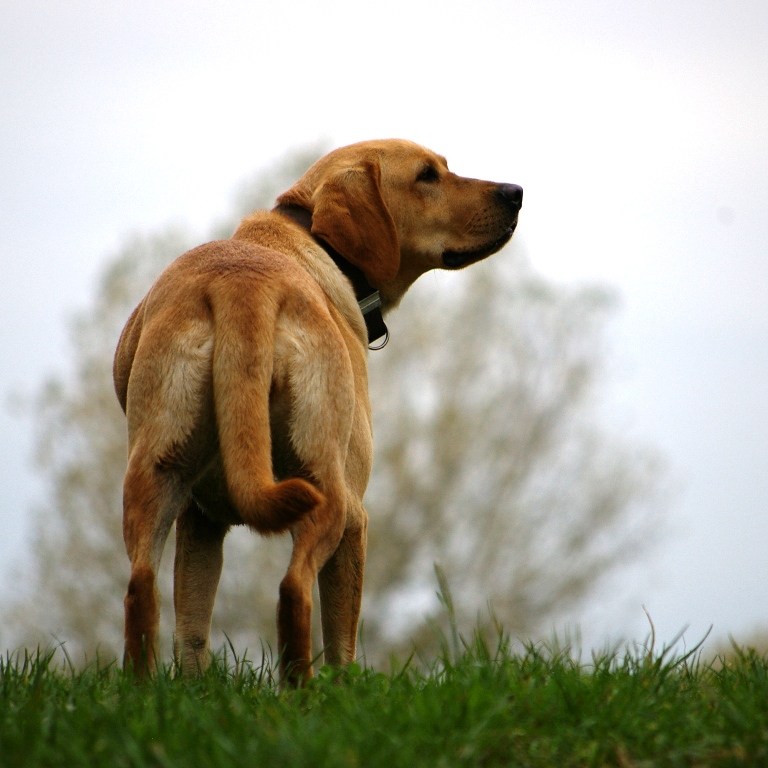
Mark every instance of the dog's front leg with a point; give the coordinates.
(341, 591)
(196, 573)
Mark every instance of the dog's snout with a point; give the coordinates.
(511, 194)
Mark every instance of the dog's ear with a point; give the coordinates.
(349, 213)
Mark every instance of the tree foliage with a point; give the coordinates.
(490, 460)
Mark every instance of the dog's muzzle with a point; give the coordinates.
(510, 196)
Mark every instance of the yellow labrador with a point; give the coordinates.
(243, 377)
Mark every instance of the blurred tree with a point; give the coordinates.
(490, 460)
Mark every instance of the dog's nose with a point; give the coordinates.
(511, 194)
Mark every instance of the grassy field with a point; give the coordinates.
(480, 706)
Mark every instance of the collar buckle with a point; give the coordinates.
(369, 303)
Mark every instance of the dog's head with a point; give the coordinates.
(393, 208)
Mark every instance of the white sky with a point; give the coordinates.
(639, 131)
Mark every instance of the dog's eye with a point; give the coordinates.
(428, 174)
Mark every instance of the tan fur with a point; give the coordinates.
(243, 377)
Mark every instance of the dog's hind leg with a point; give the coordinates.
(315, 538)
(197, 569)
(151, 502)
(320, 425)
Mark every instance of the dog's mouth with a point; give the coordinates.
(458, 259)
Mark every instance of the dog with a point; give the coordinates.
(243, 377)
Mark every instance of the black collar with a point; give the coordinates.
(368, 298)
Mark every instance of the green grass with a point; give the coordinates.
(480, 707)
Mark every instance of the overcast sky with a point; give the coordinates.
(639, 131)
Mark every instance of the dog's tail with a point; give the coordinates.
(244, 327)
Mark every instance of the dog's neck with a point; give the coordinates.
(368, 298)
